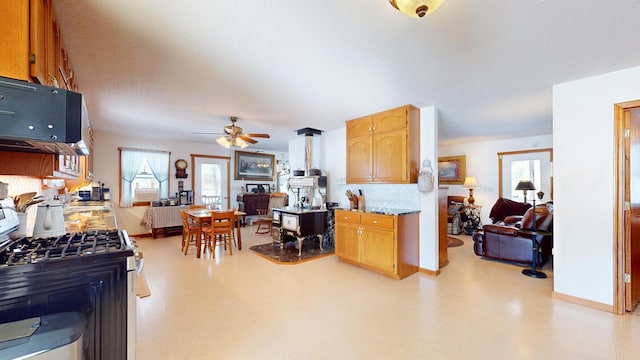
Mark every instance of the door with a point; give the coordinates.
(534, 165)
(632, 233)
(211, 179)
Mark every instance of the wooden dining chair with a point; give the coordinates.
(197, 207)
(190, 231)
(221, 230)
(265, 216)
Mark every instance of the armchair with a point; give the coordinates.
(515, 244)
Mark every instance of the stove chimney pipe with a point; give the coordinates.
(308, 145)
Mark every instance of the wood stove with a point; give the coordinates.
(293, 223)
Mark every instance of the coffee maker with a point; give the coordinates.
(185, 197)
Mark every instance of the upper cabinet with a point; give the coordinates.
(32, 48)
(384, 147)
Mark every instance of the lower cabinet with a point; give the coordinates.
(387, 244)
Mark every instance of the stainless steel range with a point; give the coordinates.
(91, 273)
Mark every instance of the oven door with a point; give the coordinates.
(290, 222)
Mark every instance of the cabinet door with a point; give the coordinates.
(14, 43)
(359, 162)
(390, 120)
(390, 157)
(347, 241)
(378, 248)
(359, 127)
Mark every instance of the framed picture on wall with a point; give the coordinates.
(452, 169)
(253, 166)
(258, 188)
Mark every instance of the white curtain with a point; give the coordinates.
(159, 164)
(131, 161)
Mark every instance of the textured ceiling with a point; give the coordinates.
(167, 69)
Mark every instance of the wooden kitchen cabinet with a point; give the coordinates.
(387, 244)
(384, 147)
(39, 165)
(31, 48)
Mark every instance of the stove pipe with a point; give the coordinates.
(308, 146)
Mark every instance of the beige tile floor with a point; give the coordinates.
(245, 307)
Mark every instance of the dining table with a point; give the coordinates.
(202, 216)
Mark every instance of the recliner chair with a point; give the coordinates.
(510, 243)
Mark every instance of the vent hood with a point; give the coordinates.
(37, 118)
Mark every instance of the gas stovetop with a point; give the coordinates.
(71, 245)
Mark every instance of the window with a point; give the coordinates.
(145, 176)
(533, 165)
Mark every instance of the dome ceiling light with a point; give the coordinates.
(416, 8)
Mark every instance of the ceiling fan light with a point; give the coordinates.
(224, 142)
(241, 143)
(416, 8)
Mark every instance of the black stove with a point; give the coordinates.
(88, 272)
(30, 251)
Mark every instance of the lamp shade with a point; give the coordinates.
(416, 8)
(525, 185)
(470, 182)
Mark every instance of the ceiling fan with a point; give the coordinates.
(233, 136)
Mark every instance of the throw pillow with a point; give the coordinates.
(544, 219)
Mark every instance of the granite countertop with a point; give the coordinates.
(384, 211)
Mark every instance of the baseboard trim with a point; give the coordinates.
(429, 272)
(582, 302)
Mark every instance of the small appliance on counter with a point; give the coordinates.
(9, 221)
(49, 220)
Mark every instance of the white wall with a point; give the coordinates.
(106, 159)
(584, 171)
(482, 162)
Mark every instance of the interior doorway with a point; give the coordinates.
(627, 217)
(211, 179)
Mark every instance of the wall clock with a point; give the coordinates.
(181, 166)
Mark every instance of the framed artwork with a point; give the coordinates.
(254, 166)
(452, 169)
(258, 188)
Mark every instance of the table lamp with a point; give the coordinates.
(470, 183)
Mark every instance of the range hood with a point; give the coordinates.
(37, 118)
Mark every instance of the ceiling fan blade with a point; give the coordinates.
(208, 133)
(258, 135)
(247, 139)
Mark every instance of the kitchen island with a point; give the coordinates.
(379, 239)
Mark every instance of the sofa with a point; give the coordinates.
(515, 242)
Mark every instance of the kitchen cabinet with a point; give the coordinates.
(384, 147)
(39, 165)
(387, 244)
(32, 48)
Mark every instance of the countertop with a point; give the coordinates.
(89, 216)
(384, 211)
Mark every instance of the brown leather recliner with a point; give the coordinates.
(510, 243)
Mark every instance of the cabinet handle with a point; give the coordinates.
(375, 221)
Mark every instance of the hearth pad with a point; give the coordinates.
(289, 254)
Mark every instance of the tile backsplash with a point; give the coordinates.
(392, 196)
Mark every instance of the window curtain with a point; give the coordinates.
(159, 164)
(131, 161)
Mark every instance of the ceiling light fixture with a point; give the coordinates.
(229, 142)
(416, 8)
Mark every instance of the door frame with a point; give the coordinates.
(193, 178)
(621, 218)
